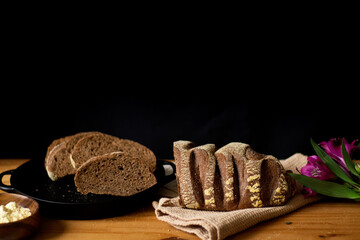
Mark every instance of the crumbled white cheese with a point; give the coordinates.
(12, 212)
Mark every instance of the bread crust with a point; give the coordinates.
(233, 177)
(186, 190)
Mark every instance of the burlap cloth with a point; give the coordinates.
(219, 225)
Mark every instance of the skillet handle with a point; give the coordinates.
(4, 187)
(170, 170)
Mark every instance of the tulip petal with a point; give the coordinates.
(307, 192)
(316, 168)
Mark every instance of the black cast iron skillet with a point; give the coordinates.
(61, 200)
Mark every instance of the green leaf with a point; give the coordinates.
(326, 188)
(349, 163)
(331, 164)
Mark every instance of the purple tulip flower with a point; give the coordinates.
(316, 168)
(334, 150)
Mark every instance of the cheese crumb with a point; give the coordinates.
(12, 212)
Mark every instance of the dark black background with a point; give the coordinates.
(274, 85)
(278, 122)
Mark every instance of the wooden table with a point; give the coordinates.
(329, 219)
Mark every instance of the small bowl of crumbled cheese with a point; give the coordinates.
(19, 216)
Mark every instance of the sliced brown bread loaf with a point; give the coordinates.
(57, 160)
(108, 155)
(98, 144)
(115, 174)
(237, 178)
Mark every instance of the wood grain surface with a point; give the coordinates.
(328, 219)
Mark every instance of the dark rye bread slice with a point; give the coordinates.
(203, 162)
(74, 139)
(57, 160)
(229, 178)
(114, 173)
(55, 164)
(242, 178)
(99, 144)
(189, 192)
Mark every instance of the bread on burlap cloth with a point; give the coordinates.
(219, 225)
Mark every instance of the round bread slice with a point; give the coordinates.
(57, 160)
(114, 173)
(99, 144)
(72, 142)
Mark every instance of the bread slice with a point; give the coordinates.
(72, 140)
(190, 195)
(55, 164)
(228, 173)
(203, 164)
(98, 144)
(57, 160)
(114, 173)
